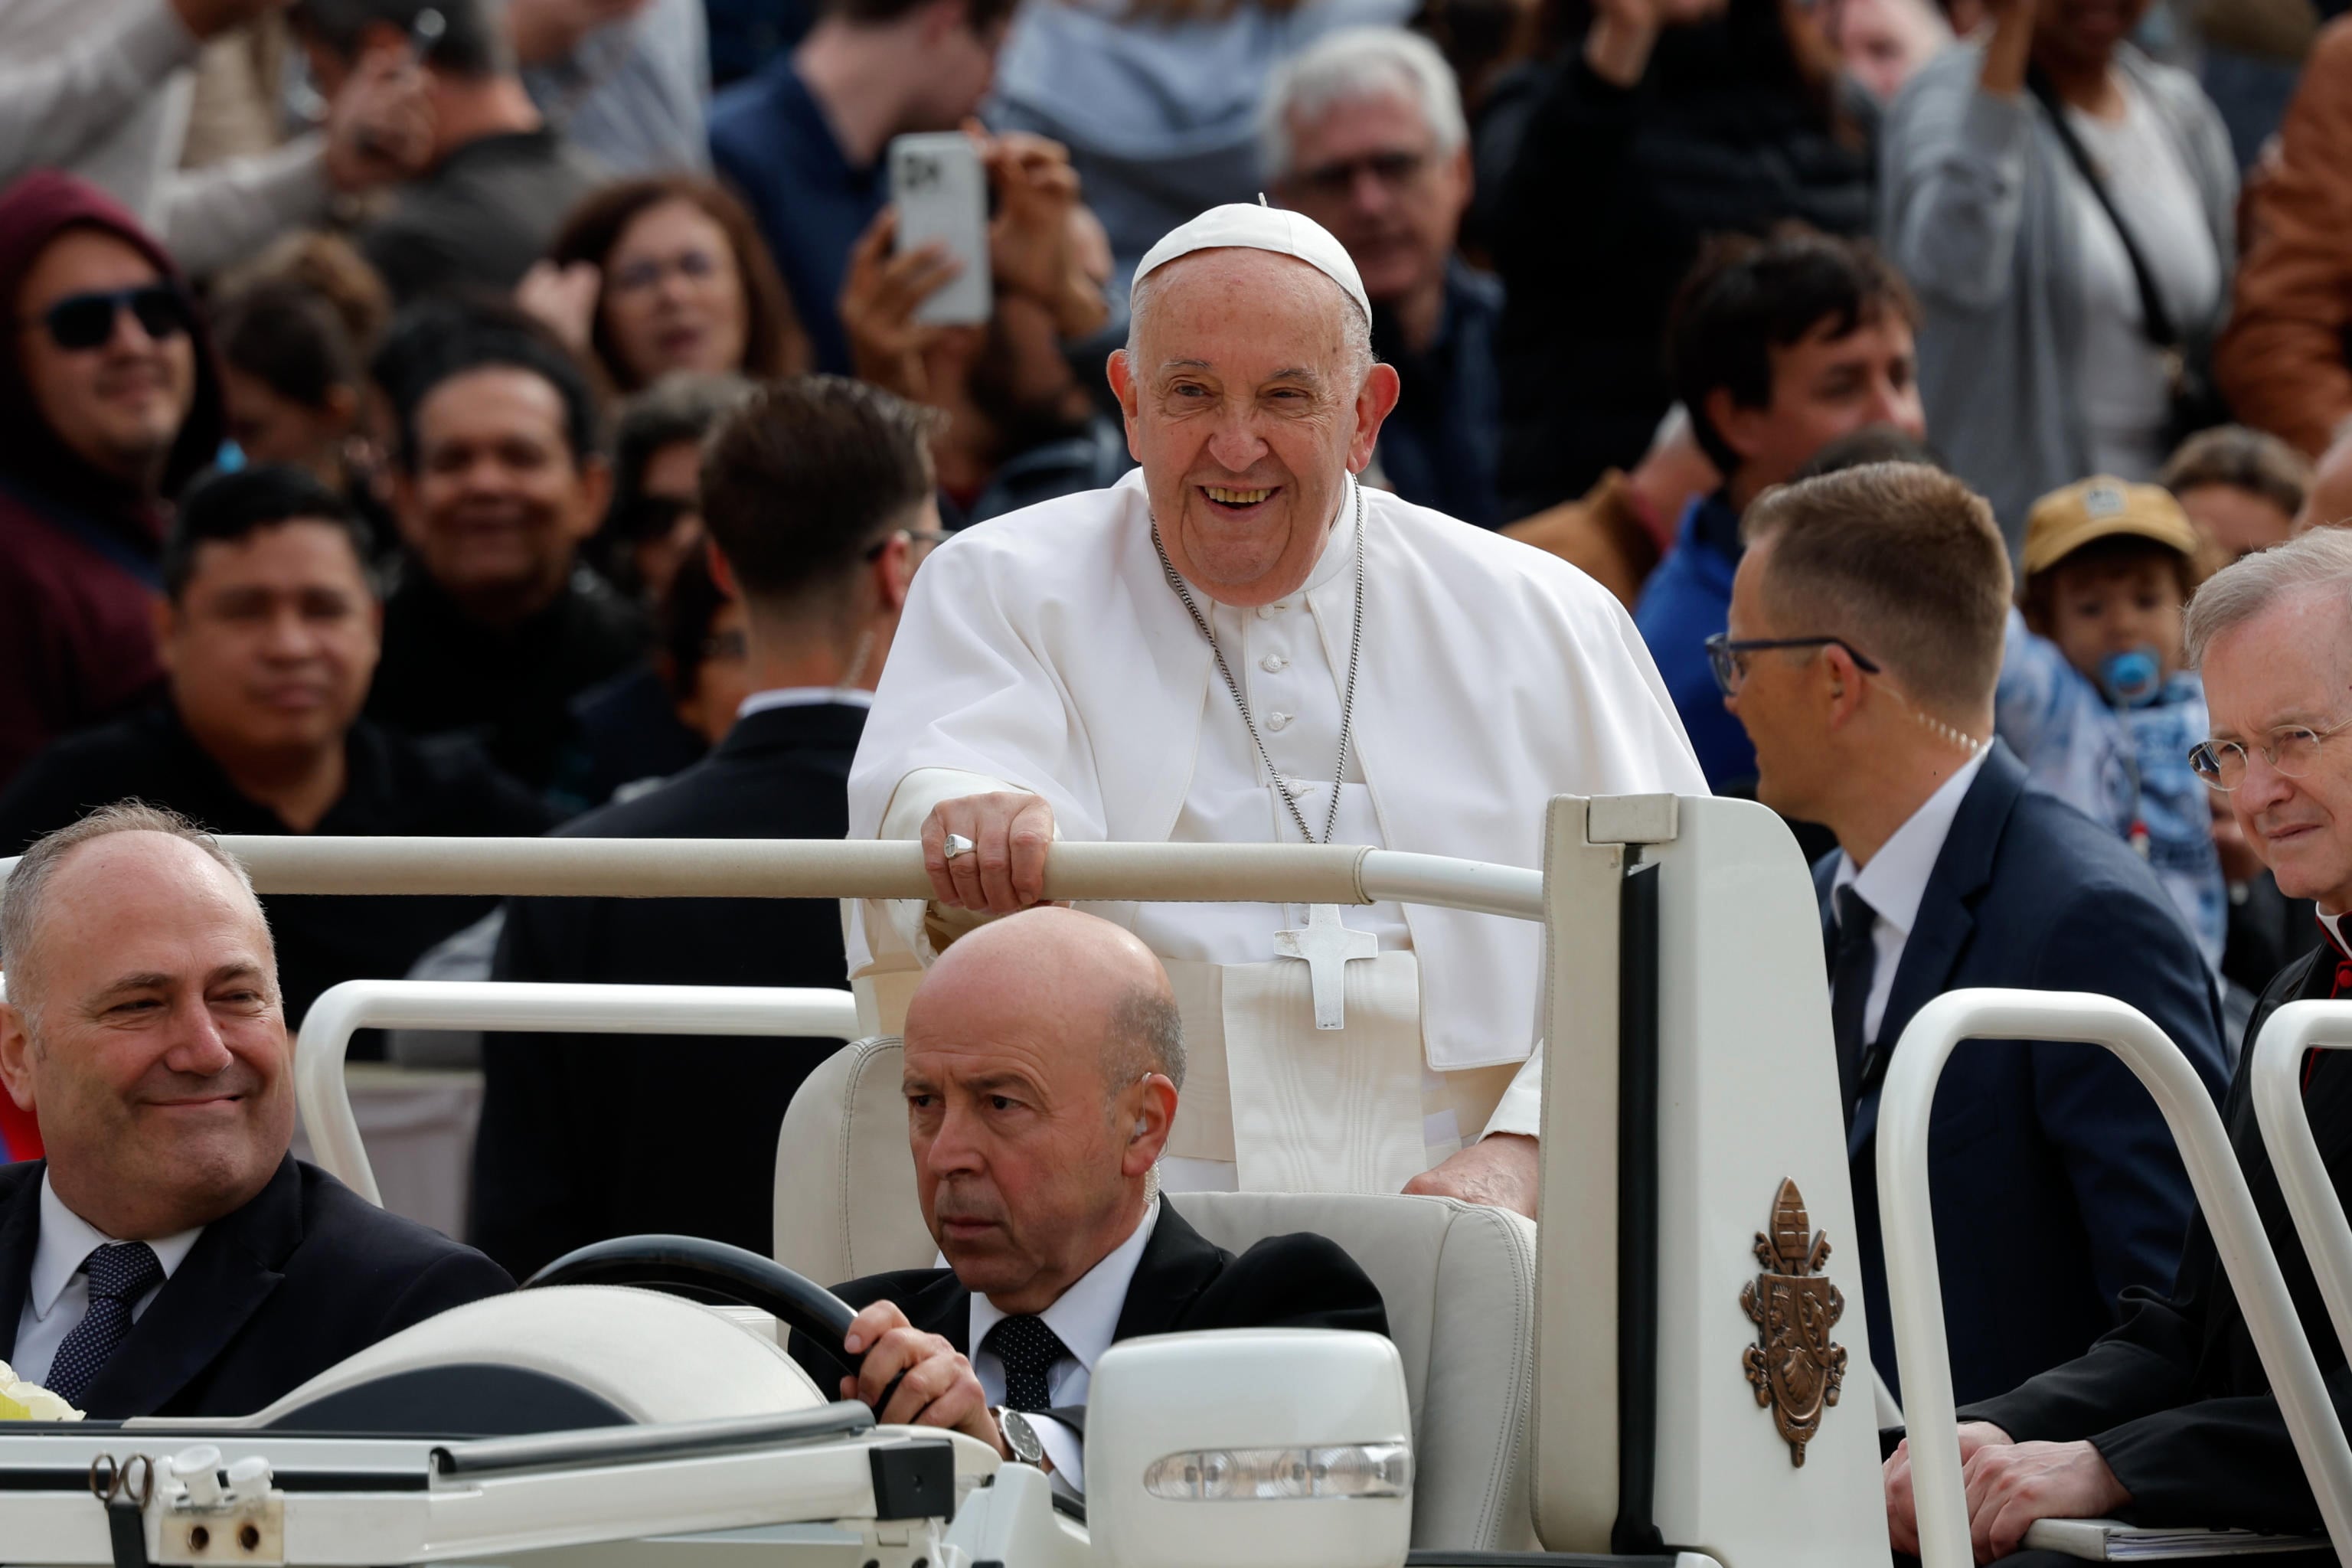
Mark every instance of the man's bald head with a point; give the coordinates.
(1042, 1054)
(1058, 968)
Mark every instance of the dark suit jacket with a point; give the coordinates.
(2056, 1186)
(2176, 1399)
(304, 1276)
(590, 1136)
(394, 786)
(1181, 1282)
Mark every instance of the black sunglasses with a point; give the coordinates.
(83, 321)
(1728, 659)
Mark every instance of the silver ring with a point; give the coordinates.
(957, 844)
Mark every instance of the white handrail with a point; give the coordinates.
(2279, 1112)
(511, 1006)
(1915, 1287)
(835, 868)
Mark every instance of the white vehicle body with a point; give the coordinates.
(1692, 1145)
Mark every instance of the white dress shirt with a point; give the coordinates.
(1084, 1319)
(802, 697)
(2335, 924)
(1896, 879)
(58, 1295)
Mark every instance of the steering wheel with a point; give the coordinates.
(693, 1266)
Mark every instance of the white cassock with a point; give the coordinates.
(1046, 651)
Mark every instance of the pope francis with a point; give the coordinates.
(1240, 643)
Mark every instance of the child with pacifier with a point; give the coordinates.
(2092, 694)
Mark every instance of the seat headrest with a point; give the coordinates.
(845, 1203)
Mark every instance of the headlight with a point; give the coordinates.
(1233, 1475)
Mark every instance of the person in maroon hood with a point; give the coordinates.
(109, 404)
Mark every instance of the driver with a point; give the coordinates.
(1043, 1062)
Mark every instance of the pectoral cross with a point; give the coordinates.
(1327, 947)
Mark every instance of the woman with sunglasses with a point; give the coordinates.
(111, 405)
(668, 274)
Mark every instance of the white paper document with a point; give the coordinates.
(2112, 1540)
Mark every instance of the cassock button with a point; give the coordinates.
(1267, 612)
(1274, 664)
(1278, 721)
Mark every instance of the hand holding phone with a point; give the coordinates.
(939, 192)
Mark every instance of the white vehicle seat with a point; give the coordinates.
(1458, 1280)
(645, 1356)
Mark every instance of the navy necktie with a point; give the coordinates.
(119, 1275)
(1028, 1350)
(1853, 964)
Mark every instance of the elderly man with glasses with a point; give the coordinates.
(1364, 133)
(1864, 641)
(2171, 1416)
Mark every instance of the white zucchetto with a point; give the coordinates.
(1240, 226)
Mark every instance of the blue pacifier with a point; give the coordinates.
(2132, 677)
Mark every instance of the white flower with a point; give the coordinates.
(36, 1403)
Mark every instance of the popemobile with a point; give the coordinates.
(1673, 1368)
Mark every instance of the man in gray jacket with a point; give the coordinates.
(101, 89)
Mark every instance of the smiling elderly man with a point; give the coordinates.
(2170, 1418)
(169, 1257)
(1044, 1059)
(1239, 644)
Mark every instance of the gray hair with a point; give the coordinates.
(1348, 66)
(1355, 327)
(681, 406)
(27, 887)
(2321, 559)
(1147, 1036)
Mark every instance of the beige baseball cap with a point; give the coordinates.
(2065, 520)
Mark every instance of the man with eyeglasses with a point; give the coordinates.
(1864, 642)
(110, 403)
(2171, 1416)
(818, 493)
(1364, 133)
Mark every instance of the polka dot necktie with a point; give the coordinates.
(1853, 965)
(1028, 1350)
(119, 1275)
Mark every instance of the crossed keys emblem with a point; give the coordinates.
(1796, 1370)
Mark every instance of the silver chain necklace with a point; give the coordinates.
(1347, 705)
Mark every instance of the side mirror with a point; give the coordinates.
(1250, 1448)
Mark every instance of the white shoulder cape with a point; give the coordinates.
(1046, 649)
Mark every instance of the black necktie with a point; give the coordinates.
(1028, 1350)
(119, 1275)
(1852, 966)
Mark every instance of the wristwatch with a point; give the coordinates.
(1021, 1437)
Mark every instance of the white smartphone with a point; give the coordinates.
(941, 193)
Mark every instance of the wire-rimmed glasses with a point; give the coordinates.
(2292, 751)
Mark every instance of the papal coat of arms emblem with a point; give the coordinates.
(1795, 1368)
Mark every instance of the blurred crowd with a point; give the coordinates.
(464, 288)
